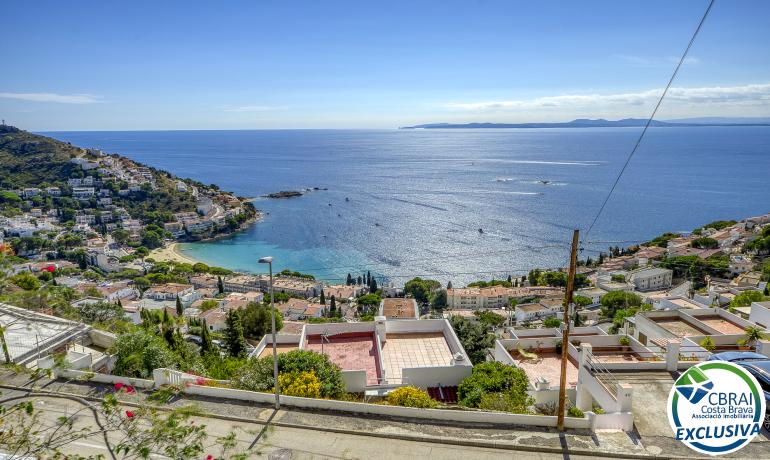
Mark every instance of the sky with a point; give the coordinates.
(338, 64)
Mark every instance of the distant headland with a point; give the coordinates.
(602, 123)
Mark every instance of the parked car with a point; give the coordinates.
(756, 365)
(737, 356)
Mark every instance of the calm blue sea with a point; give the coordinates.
(409, 203)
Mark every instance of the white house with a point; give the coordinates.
(652, 279)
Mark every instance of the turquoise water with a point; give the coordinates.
(407, 203)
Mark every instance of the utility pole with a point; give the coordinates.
(566, 319)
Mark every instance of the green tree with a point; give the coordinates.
(220, 285)
(704, 243)
(234, 339)
(421, 289)
(439, 301)
(474, 338)
(257, 321)
(745, 298)
(349, 281)
(489, 319)
(323, 298)
(206, 345)
(179, 308)
(333, 307)
(552, 322)
(121, 236)
(616, 300)
(138, 353)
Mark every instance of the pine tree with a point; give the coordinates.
(323, 298)
(333, 307)
(166, 319)
(368, 277)
(220, 285)
(179, 308)
(373, 286)
(449, 285)
(350, 280)
(360, 280)
(206, 344)
(234, 340)
(509, 278)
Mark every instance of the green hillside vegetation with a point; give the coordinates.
(29, 160)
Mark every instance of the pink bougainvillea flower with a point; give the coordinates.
(50, 268)
(209, 457)
(129, 389)
(129, 414)
(200, 381)
(118, 386)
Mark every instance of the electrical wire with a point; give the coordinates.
(652, 116)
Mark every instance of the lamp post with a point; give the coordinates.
(269, 262)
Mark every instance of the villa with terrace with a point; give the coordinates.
(383, 354)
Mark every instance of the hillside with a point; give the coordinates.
(29, 160)
(39, 175)
(598, 123)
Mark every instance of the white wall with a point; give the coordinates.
(760, 314)
(394, 411)
(103, 378)
(424, 377)
(355, 381)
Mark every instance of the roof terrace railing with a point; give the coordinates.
(602, 374)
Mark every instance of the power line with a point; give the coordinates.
(652, 116)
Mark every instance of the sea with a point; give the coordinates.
(455, 204)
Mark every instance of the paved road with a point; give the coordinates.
(293, 443)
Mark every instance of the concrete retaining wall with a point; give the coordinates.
(103, 378)
(394, 411)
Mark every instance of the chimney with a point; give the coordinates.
(379, 328)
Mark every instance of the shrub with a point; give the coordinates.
(624, 341)
(26, 281)
(494, 377)
(257, 374)
(575, 412)
(302, 384)
(411, 397)
(138, 353)
(503, 402)
(708, 344)
(551, 322)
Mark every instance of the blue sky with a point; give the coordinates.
(333, 64)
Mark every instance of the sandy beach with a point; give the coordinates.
(170, 253)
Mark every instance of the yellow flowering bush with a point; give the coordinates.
(411, 397)
(303, 384)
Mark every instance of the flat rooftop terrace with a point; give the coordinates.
(678, 327)
(547, 365)
(350, 351)
(420, 349)
(720, 324)
(279, 347)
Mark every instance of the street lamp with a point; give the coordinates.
(269, 262)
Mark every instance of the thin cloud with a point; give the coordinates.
(53, 97)
(251, 108)
(723, 96)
